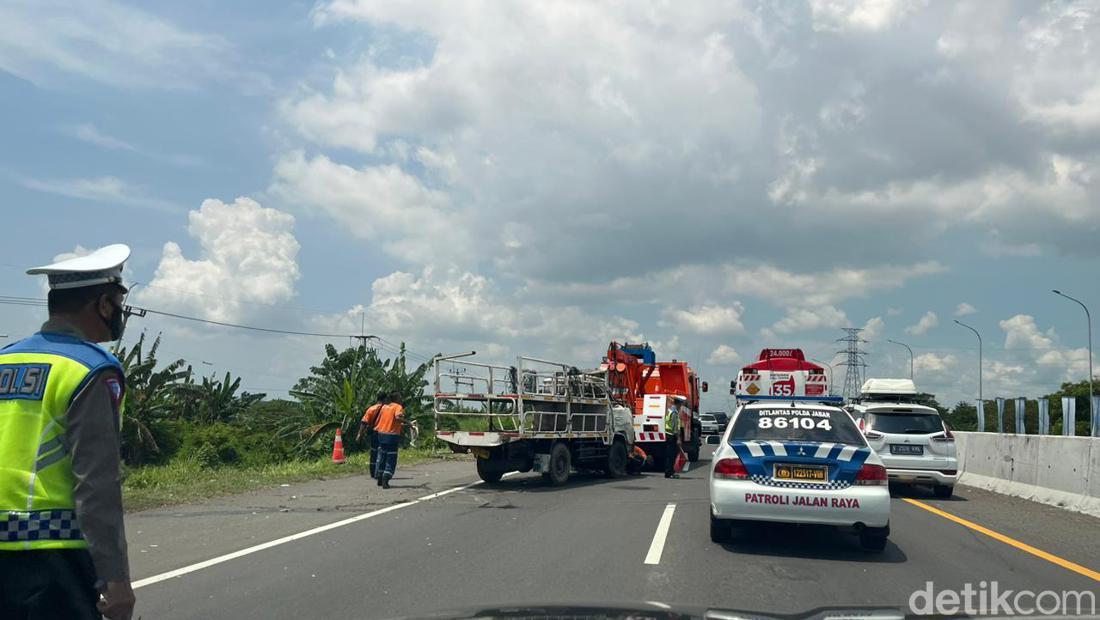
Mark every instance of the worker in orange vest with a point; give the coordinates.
(637, 460)
(388, 426)
(366, 425)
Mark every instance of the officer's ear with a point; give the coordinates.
(104, 305)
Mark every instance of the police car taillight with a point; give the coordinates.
(731, 469)
(871, 475)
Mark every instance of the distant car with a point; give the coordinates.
(722, 417)
(798, 462)
(914, 444)
(710, 425)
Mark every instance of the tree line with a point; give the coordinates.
(172, 412)
(964, 417)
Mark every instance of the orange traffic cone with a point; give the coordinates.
(338, 448)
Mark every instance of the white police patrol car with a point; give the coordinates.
(798, 460)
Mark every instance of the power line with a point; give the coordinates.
(238, 326)
(384, 344)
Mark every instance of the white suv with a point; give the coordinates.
(915, 445)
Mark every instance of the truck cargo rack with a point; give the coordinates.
(478, 404)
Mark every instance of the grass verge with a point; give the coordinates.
(184, 480)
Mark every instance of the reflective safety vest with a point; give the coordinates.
(39, 377)
(672, 420)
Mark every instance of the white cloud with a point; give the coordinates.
(1043, 362)
(861, 15)
(872, 329)
(100, 189)
(705, 319)
(931, 363)
(821, 288)
(382, 204)
(965, 309)
(926, 322)
(46, 41)
(248, 259)
(724, 355)
(90, 134)
(1021, 332)
(452, 309)
(670, 105)
(806, 319)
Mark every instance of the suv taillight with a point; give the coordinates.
(731, 469)
(871, 475)
(946, 435)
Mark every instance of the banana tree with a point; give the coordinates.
(150, 396)
(346, 382)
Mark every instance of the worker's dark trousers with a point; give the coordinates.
(373, 454)
(387, 455)
(45, 584)
(672, 450)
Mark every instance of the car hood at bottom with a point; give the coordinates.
(658, 611)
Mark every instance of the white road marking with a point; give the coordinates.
(148, 581)
(658, 545)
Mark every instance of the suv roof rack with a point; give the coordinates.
(824, 400)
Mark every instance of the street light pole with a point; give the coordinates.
(981, 401)
(910, 355)
(830, 373)
(1088, 317)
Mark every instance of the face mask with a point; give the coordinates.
(114, 324)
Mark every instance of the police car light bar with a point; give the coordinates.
(830, 400)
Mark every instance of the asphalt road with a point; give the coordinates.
(521, 542)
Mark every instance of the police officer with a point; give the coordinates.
(62, 542)
(672, 437)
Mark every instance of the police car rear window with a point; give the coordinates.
(792, 424)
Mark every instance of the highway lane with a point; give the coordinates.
(587, 542)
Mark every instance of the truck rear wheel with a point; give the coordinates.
(487, 473)
(616, 459)
(561, 463)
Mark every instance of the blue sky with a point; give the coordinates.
(715, 178)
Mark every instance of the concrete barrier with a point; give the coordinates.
(1056, 470)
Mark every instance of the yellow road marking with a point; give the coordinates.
(1049, 557)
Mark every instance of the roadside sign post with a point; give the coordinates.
(1021, 407)
(1095, 416)
(1044, 416)
(1069, 416)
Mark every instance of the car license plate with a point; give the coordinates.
(802, 473)
(898, 448)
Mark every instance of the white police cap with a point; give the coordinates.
(104, 266)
